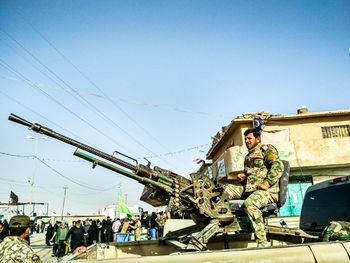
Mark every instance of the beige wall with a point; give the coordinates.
(307, 151)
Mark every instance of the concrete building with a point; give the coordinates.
(112, 211)
(317, 146)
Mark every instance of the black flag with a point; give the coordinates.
(14, 198)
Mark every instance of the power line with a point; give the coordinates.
(56, 101)
(5, 65)
(42, 116)
(146, 104)
(100, 113)
(90, 81)
(57, 172)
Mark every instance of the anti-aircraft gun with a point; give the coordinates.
(208, 205)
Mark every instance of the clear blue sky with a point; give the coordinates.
(222, 58)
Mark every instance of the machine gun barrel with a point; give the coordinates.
(44, 130)
(140, 179)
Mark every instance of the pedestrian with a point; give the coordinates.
(6, 225)
(86, 226)
(100, 238)
(76, 233)
(60, 239)
(14, 247)
(3, 232)
(145, 224)
(115, 228)
(107, 229)
(49, 234)
(167, 213)
(153, 225)
(161, 219)
(93, 233)
(55, 246)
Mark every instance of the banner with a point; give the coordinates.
(13, 198)
(122, 208)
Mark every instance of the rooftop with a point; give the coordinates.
(248, 118)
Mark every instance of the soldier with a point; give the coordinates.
(137, 227)
(336, 230)
(259, 183)
(15, 248)
(161, 222)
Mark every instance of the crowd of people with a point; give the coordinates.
(80, 234)
(76, 237)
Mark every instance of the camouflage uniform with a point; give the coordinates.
(16, 250)
(336, 230)
(261, 166)
(161, 219)
(137, 228)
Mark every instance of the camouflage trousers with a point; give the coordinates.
(336, 230)
(252, 205)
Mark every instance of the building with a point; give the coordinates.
(112, 211)
(317, 146)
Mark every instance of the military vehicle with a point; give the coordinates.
(208, 205)
(219, 222)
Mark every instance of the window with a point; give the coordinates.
(324, 205)
(336, 131)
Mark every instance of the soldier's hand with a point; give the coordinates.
(262, 187)
(241, 177)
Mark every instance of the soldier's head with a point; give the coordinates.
(251, 138)
(19, 226)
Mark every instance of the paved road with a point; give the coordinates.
(37, 242)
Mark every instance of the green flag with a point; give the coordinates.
(122, 208)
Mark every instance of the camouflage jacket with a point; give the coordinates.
(263, 166)
(137, 228)
(161, 220)
(14, 249)
(336, 230)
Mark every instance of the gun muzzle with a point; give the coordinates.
(19, 120)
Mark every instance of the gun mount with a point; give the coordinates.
(209, 207)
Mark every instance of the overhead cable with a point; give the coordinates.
(161, 107)
(57, 172)
(100, 113)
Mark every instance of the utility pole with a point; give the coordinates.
(34, 165)
(64, 199)
(119, 186)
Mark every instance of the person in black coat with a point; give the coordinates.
(153, 222)
(49, 234)
(93, 233)
(100, 236)
(54, 230)
(107, 229)
(77, 236)
(145, 220)
(3, 232)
